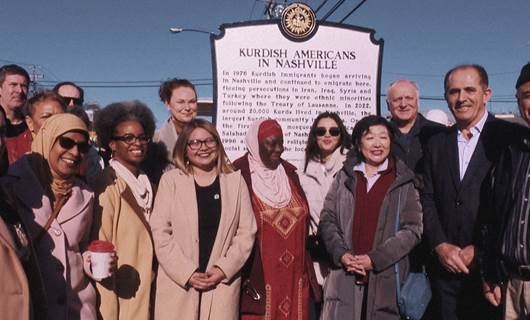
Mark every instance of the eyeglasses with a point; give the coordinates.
(67, 143)
(72, 100)
(197, 144)
(333, 131)
(131, 138)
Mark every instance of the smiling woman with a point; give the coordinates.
(125, 201)
(279, 270)
(328, 143)
(203, 230)
(358, 227)
(57, 210)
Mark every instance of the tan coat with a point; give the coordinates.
(14, 291)
(175, 232)
(120, 220)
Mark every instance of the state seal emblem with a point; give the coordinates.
(298, 21)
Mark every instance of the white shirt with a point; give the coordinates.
(467, 147)
(371, 180)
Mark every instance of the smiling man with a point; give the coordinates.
(14, 82)
(412, 130)
(456, 164)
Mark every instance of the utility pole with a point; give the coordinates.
(35, 75)
(274, 9)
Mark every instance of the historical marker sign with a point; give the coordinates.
(264, 70)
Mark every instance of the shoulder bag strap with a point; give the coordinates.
(396, 265)
(56, 208)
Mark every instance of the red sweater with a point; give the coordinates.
(367, 208)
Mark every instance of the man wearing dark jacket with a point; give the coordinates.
(14, 81)
(411, 128)
(506, 225)
(456, 164)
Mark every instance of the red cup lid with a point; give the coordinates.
(101, 246)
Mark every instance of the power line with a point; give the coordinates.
(321, 5)
(333, 9)
(352, 11)
(252, 10)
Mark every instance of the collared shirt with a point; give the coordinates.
(516, 244)
(371, 180)
(467, 147)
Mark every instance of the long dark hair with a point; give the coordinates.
(361, 128)
(312, 151)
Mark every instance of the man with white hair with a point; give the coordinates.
(412, 129)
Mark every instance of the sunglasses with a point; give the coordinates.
(333, 131)
(67, 143)
(131, 138)
(72, 100)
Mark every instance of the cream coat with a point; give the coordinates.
(175, 232)
(167, 135)
(120, 220)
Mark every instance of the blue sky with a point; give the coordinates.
(118, 40)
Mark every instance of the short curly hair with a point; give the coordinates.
(115, 113)
(166, 89)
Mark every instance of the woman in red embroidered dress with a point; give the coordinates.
(281, 211)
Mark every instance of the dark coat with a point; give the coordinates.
(451, 206)
(451, 213)
(420, 135)
(502, 186)
(335, 229)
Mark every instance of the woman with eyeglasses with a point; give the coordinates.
(57, 209)
(328, 143)
(125, 202)
(203, 230)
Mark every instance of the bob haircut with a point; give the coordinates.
(181, 148)
(312, 151)
(28, 109)
(361, 128)
(115, 113)
(166, 89)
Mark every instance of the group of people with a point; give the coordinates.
(197, 236)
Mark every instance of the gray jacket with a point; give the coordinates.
(335, 230)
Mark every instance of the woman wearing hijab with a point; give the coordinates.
(358, 227)
(282, 212)
(56, 208)
(125, 202)
(203, 230)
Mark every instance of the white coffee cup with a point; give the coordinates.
(101, 258)
(100, 263)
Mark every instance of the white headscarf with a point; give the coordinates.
(271, 186)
